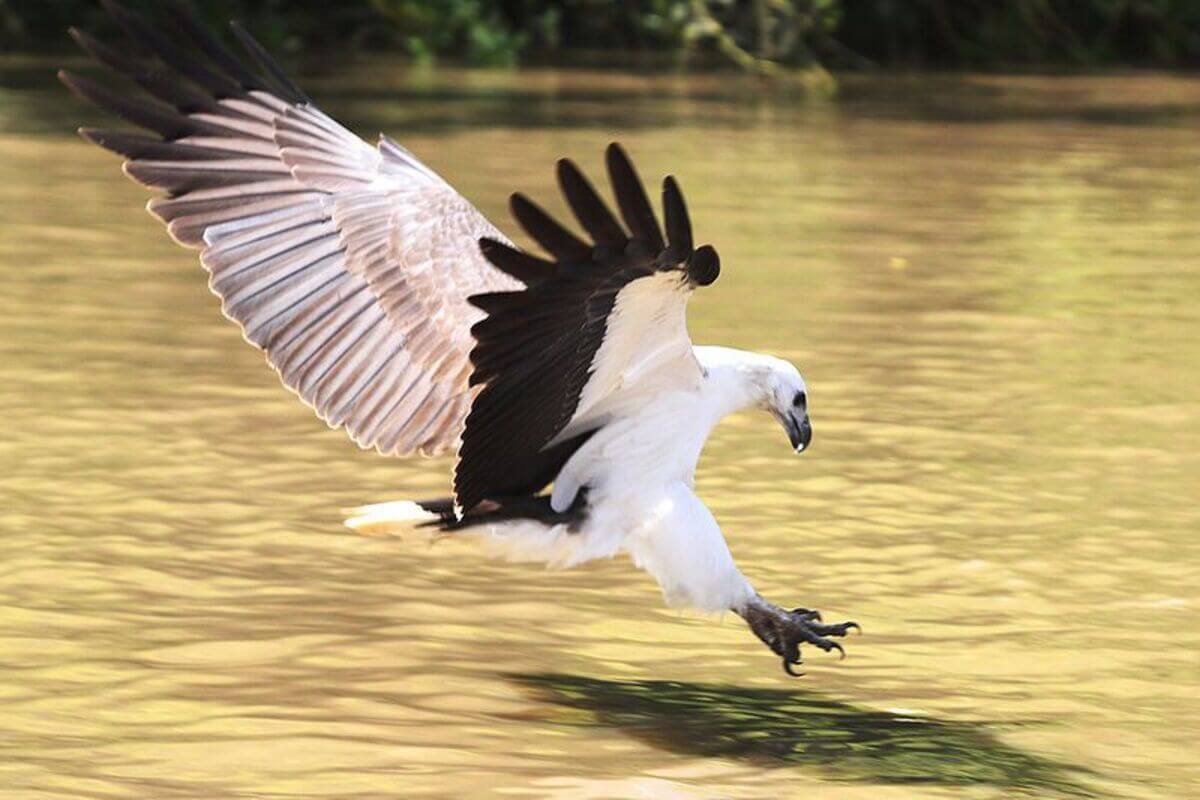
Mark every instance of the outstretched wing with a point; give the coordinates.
(599, 328)
(349, 265)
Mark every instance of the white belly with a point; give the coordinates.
(638, 473)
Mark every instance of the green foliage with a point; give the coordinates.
(755, 34)
(986, 32)
(473, 29)
(279, 24)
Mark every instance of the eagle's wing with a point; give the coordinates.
(599, 329)
(349, 265)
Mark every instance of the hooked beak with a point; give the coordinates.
(799, 430)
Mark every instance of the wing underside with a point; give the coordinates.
(348, 264)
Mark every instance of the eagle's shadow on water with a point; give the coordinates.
(802, 728)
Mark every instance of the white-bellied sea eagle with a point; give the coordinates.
(566, 382)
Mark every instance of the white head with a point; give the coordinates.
(757, 380)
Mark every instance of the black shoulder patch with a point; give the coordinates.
(534, 349)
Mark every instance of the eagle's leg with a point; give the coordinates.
(784, 631)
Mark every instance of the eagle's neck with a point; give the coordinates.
(658, 441)
(734, 380)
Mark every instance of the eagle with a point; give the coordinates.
(564, 381)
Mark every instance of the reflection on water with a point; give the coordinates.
(780, 728)
(991, 286)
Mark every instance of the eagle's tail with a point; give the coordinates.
(514, 528)
(385, 519)
(439, 514)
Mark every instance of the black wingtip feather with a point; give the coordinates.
(587, 206)
(203, 39)
(529, 270)
(138, 29)
(489, 301)
(546, 231)
(130, 145)
(136, 145)
(179, 94)
(104, 54)
(81, 38)
(263, 59)
(679, 226)
(631, 198)
(148, 114)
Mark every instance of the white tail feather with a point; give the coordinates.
(383, 519)
(512, 540)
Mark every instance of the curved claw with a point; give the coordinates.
(827, 646)
(787, 667)
(784, 632)
(840, 629)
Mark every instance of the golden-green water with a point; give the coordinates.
(992, 286)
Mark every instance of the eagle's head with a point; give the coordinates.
(748, 380)
(786, 397)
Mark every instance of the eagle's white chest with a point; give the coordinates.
(636, 456)
(639, 471)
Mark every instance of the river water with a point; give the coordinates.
(991, 285)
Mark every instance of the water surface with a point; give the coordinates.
(991, 285)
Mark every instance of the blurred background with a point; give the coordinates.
(975, 226)
(754, 34)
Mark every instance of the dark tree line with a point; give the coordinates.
(754, 34)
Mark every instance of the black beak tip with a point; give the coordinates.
(801, 435)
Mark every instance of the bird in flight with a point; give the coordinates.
(565, 382)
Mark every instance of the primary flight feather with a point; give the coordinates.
(566, 383)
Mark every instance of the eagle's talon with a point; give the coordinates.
(784, 631)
